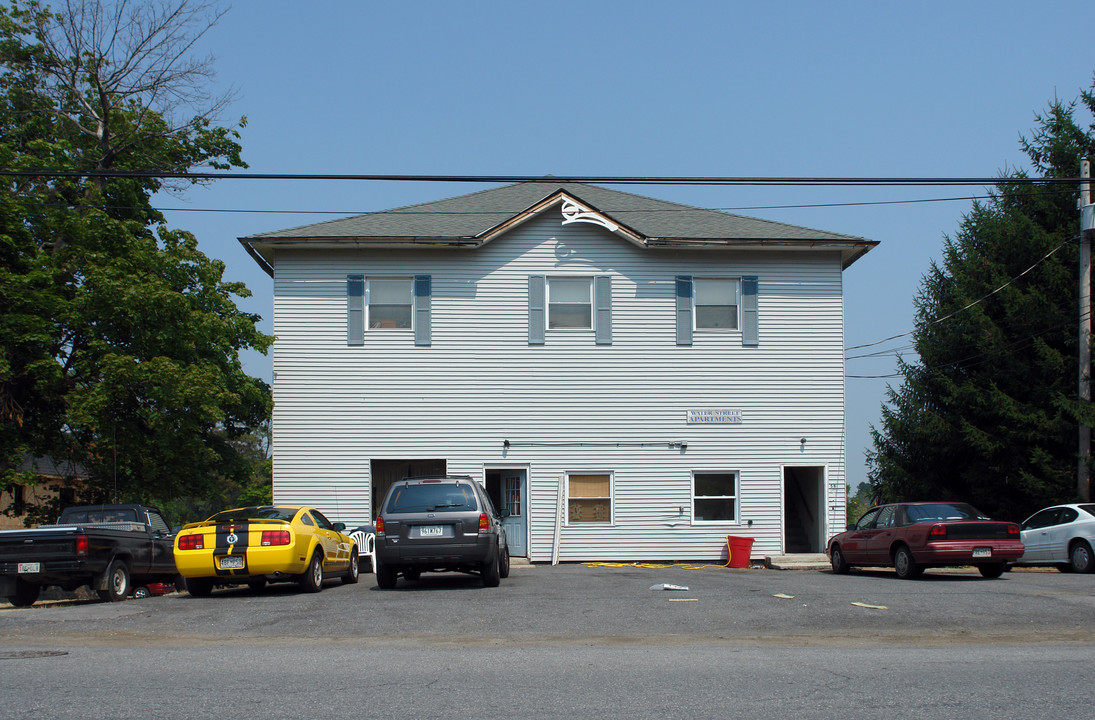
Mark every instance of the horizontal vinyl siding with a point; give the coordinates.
(480, 382)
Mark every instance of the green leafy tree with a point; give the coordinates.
(119, 339)
(988, 412)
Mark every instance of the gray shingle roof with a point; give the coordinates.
(472, 216)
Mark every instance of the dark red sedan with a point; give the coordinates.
(910, 537)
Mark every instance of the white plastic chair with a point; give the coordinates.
(365, 547)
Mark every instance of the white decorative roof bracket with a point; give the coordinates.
(574, 212)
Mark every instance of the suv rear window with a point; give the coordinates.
(440, 497)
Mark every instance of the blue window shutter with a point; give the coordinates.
(684, 309)
(355, 309)
(602, 302)
(750, 321)
(422, 296)
(537, 320)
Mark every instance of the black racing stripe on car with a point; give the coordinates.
(241, 536)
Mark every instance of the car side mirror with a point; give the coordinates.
(850, 526)
(505, 513)
(338, 527)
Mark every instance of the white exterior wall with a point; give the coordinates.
(480, 382)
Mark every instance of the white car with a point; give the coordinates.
(1062, 535)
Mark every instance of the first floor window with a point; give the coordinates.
(589, 498)
(716, 303)
(390, 302)
(714, 497)
(570, 303)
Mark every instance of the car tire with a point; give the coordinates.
(353, 571)
(386, 576)
(199, 587)
(257, 584)
(490, 571)
(993, 570)
(26, 594)
(904, 564)
(836, 558)
(117, 582)
(312, 579)
(141, 592)
(503, 564)
(1080, 558)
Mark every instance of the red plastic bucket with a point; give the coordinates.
(739, 549)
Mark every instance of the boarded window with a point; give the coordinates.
(589, 498)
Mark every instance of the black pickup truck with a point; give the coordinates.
(112, 548)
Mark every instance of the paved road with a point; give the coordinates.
(571, 641)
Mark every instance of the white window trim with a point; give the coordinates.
(736, 496)
(547, 305)
(611, 522)
(736, 279)
(368, 305)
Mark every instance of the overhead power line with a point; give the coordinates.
(969, 305)
(602, 179)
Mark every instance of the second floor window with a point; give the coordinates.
(716, 303)
(570, 304)
(390, 302)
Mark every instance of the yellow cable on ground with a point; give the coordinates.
(650, 566)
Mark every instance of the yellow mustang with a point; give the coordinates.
(254, 545)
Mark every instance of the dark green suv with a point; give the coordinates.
(439, 524)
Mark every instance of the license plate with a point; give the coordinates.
(28, 567)
(230, 562)
(431, 531)
(982, 552)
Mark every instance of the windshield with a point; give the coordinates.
(264, 512)
(439, 497)
(943, 511)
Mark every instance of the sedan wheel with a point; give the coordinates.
(904, 564)
(1079, 557)
(994, 570)
(836, 557)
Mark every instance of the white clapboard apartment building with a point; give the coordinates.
(631, 378)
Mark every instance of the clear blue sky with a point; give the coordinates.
(834, 89)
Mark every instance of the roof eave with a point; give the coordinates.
(850, 250)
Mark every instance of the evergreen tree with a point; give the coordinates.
(988, 412)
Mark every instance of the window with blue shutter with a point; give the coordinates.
(355, 309)
(602, 300)
(750, 319)
(423, 291)
(684, 309)
(537, 286)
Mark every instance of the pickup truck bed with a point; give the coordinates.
(101, 549)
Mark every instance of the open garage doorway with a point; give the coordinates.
(386, 472)
(803, 503)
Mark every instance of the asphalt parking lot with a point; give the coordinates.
(580, 603)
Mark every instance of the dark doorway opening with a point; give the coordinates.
(386, 472)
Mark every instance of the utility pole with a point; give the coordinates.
(1087, 225)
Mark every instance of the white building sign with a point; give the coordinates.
(704, 417)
